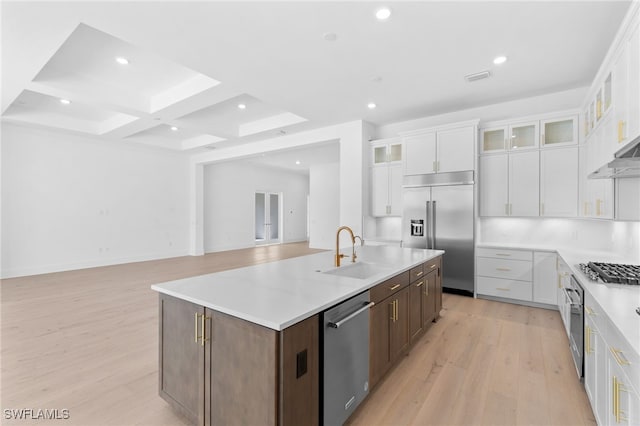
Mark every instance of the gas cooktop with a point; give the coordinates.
(612, 272)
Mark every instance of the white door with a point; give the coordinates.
(456, 149)
(268, 222)
(524, 185)
(559, 182)
(494, 189)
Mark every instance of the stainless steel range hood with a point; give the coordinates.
(626, 163)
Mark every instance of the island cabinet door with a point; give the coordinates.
(399, 329)
(181, 372)
(429, 294)
(416, 308)
(379, 318)
(241, 380)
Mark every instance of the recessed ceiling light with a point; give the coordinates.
(242, 106)
(330, 36)
(371, 105)
(174, 128)
(122, 61)
(65, 101)
(500, 60)
(297, 161)
(383, 14)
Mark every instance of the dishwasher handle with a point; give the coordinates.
(349, 317)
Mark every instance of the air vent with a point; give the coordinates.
(477, 76)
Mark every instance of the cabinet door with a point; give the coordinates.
(494, 189)
(242, 366)
(395, 190)
(456, 149)
(559, 182)
(399, 325)
(523, 135)
(595, 370)
(544, 278)
(380, 316)
(429, 294)
(624, 402)
(493, 139)
(559, 131)
(379, 190)
(182, 353)
(438, 292)
(524, 183)
(380, 154)
(620, 97)
(420, 154)
(416, 308)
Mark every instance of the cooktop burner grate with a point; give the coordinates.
(617, 273)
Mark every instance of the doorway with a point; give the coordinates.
(268, 213)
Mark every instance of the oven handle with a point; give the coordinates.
(566, 293)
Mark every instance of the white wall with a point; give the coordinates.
(70, 202)
(229, 203)
(324, 205)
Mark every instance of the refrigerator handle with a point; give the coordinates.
(428, 224)
(433, 225)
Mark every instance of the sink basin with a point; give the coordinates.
(361, 270)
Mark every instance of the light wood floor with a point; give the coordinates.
(87, 341)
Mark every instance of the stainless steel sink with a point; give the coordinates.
(361, 270)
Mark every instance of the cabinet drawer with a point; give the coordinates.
(416, 272)
(507, 269)
(505, 253)
(433, 264)
(623, 354)
(510, 289)
(389, 287)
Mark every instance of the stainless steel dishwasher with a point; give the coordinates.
(346, 358)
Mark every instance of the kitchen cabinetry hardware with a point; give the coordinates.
(589, 311)
(587, 340)
(432, 266)
(420, 283)
(394, 287)
(503, 269)
(621, 137)
(421, 272)
(617, 388)
(503, 254)
(598, 207)
(503, 289)
(619, 356)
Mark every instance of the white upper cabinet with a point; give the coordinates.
(494, 185)
(494, 139)
(524, 190)
(523, 135)
(633, 72)
(559, 131)
(420, 155)
(559, 182)
(455, 149)
(439, 150)
(386, 177)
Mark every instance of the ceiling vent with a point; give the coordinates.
(477, 76)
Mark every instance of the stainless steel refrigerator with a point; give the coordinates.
(438, 213)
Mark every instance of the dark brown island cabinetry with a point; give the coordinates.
(405, 307)
(216, 369)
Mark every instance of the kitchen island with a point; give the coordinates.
(242, 346)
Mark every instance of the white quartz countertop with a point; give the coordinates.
(279, 294)
(618, 301)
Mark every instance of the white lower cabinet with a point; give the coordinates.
(611, 370)
(544, 277)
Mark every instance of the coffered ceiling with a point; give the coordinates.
(292, 65)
